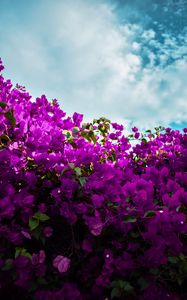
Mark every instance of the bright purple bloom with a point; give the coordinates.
(137, 135)
(77, 119)
(116, 209)
(117, 126)
(134, 129)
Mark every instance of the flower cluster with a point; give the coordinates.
(84, 214)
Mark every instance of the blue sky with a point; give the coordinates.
(125, 60)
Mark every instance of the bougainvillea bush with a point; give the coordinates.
(84, 214)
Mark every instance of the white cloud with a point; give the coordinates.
(78, 52)
(148, 34)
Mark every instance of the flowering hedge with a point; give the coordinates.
(83, 213)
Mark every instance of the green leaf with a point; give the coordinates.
(127, 287)
(115, 293)
(64, 170)
(43, 240)
(33, 223)
(144, 140)
(67, 133)
(4, 138)
(22, 252)
(82, 180)
(154, 271)
(112, 204)
(3, 104)
(84, 125)
(41, 280)
(10, 117)
(121, 286)
(36, 233)
(41, 217)
(105, 120)
(136, 159)
(178, 208)
(8, 265)
(86, 136)
(72, 143)
(182, 257)
(150, 213)
(173, 259)
(129, 219)
(142, 283)
(180, 281)
(33, 287)
(92, 136)
(75, 130)
(78, 171)
(18, 251)
(72, 166)
(128, 199)
(134, 235)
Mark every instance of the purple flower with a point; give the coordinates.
(1, 65)
(48, 231)
(87, 244)
(117, 209)
(62, 263)
(67, 213)
(117, 126)
(26, 234)
(137, 135)
(77, 119)
(95, 225)
(38, 258)
(68, 291)
(97, 200)
(134, 129)
(124, 263)
(6, 208)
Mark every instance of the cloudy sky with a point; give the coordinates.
(125, 60)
